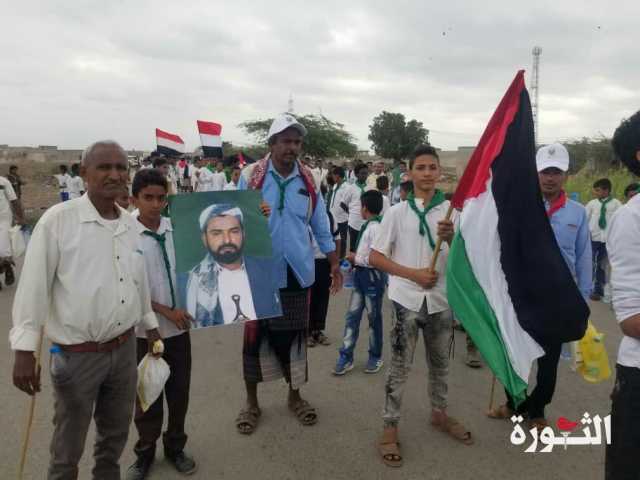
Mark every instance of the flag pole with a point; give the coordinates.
(32, 406)
(493, 389)
(436, 250)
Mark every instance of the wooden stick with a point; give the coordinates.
(436, 250)
(32, 407)
(493, 389)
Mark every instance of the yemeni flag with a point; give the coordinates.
(507, 280)
(169, 143)
(210, 138)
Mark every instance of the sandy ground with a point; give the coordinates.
(341, 445)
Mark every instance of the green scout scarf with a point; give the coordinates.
(602, 222)
(282, 186)
(437, 199)
(377, 218)
(161, 238)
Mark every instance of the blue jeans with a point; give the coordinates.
(367, 293)
(599, 251)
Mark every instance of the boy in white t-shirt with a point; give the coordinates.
(403, 249)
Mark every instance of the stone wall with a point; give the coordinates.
(45, 154)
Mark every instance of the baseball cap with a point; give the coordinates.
(554, 155)
(284, 121)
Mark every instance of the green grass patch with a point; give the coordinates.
(582, 182)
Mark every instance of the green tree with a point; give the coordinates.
(393, 137)
(594, 154)
(325, 138)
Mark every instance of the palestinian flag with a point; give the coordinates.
(507, 280)
(210, 138)
(169, 143)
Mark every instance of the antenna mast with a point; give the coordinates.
(535, 89)
(290, 104)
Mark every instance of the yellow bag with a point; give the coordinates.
(594, 364)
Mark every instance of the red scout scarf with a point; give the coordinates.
(560, 202)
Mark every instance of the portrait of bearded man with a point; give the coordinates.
(227, 286)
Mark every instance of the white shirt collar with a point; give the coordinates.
(165, 225)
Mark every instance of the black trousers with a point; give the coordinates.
(353, 237)
(320, 296)
(177, 353)
(621, 461)
(542, 394)
(343, 229)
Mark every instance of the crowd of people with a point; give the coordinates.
(104, 282)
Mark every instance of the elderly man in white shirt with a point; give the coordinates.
(623, 245)
(84, 281)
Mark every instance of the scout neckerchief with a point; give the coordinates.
(282, 185)
(437, 199)
(560, 202)
(256, 173)
(602, 222)
(361, 186)
(377, 218)
(161, 238)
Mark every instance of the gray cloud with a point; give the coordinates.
(77, 71)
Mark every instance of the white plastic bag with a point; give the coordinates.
(152, 375)
(18, 244)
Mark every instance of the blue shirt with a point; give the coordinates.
(571, 228)
(289, 228)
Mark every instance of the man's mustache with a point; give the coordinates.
(232, 246)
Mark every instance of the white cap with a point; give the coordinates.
(284, 121)
(554, 155)
(219, 210)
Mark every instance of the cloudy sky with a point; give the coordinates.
(76, 71)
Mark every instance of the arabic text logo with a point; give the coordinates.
(548, 438)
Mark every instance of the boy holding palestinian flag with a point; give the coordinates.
(404, 248)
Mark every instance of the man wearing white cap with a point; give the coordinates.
(571, 228)
(276, 348)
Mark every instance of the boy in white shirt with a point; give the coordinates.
(338, 208)
(351, 201)
(600, 210)
(63, 181)
(150, 191)
(367, 293)
(623, 243)
(382, 185)
(403, 249)
(75, 184)
(219, 178)
(235, 177)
